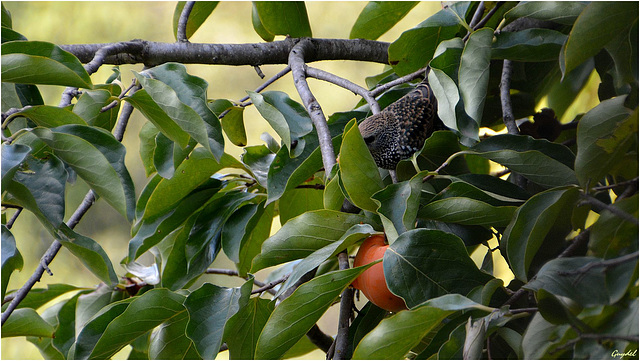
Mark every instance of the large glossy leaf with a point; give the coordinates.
(358, 172)
(443, 77)
(350, 237)
(436, 150)
(251, 245)
(284, 18)
(611, 235)
(258, 159)
(103, 336)
(191, 91)
(210, 307)
(473, 75)
(296, 201)
(604, 134)
(50, 116)
(233, 122)
(147, 137)
(45, 179)
(11, 257)
(65, 334)
(291, 320)
(90, 253)
(423, 264)
(257, 24)
(199, 13)
(190, 174)
(243, 329)
(37, 62)
(545, 163)
(26, 322)
(597, 24)
(586, 280)
(38, 297)
(405, 57)
(98, 158)
(528, 45)
(531, 225)
(398, 206)
(378, 17)
(467, 211)
(169, 341)
(395, 336)
(303, 235)
(12, 156)
(563, 12)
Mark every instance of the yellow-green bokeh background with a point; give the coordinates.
(101, 22)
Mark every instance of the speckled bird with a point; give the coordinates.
(400, 129)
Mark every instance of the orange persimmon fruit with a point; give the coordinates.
(372, 282)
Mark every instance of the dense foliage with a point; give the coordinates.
(563, 212)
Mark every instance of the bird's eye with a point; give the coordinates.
(369, 139)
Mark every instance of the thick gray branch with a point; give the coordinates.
(277, 52)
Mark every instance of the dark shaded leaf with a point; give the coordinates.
(11, 258)
(378, 17)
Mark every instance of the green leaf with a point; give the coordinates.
(611, 235)
(395, 336)
(296, 201)
(37, 62)
(436, 150)
(142, 314)
(291, 320)
(473, 74)
(192, 92)
(303, 235)
(350, 237)
(11, 257)
(45, 179)
(38, 297)
(190, 174)
(90, 254)
(169, 341)
(147, 137)
(6, 17)
(597, 24)
(143, 102)
(210, 307)
(258, 26)
(531, 224)
(233, 122)
(12, 156)
(26, 322)
(604, 134)
(398, 206)
(586, 280)
(89, 108)
(50, 116)
(423, 264)
(284, 18)
(242, 329)
(548, 164)
(443, 77)
(163, 161)
(98, 158)
(65, 334)
(540, 337)
(528, 45)
(378, 17)
(250, 246)
(563, 12)
(406, 57)
(238, 228)
(358, 171)
(467, 211)
(199, 13)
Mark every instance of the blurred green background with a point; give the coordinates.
(102, 22)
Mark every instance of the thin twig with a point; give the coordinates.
(602, 264)
(407, 78)
(242, 101)
(523, 310)
(311, 186)
(319, 338)
(296, 62)
(594, 336)
(477, 15)
(346, 311)
(7, 116)
(485, 19)
(611, 186)
(601, 206)
(258, 71)
(578, 242)
(269, 286)
(122, 95)
(13, 218)
(181, 31)
(344, 83)
(505, 98)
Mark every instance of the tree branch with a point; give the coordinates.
(344, 83)
(505, 98)
(181, 32)
(346, 309)
(277, 52)
(379, 89)
(604, 264)
(269, 286)
(300, 52)
(13, 218)
(600, 206)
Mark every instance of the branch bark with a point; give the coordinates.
(344, 83)
(181, 31)
(277, 52)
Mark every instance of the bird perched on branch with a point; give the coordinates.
(400, 129)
